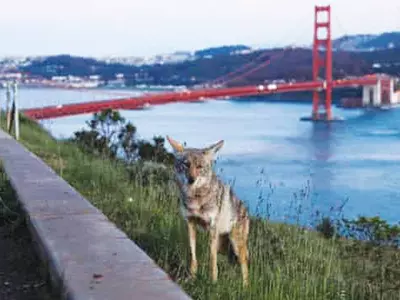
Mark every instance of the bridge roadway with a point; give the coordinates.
(188, 96)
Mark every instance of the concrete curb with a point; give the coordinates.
(87, 255)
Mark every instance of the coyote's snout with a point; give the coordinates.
(207, 202)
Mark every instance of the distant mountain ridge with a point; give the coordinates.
(368, 42)
(222, 50)
(359, 55)
(294, 65)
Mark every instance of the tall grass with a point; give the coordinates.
(286, 261)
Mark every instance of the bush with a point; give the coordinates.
(373, 230)
(326, 228)
(109, 136)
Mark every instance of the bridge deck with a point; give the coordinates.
(186, 96)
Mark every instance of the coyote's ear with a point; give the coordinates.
(175, 145)
(213, 149)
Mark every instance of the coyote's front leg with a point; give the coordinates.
(214, 236)
(192, 243)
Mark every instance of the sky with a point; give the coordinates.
(147, 27)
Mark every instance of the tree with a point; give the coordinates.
(102, 137)
(128, 142)
(156, 152)
(110, 137)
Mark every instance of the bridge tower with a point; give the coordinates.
(322, 39)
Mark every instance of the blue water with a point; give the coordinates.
(270, 155)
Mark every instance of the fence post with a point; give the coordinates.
(8, 100)
(16, 111)
(1, 110)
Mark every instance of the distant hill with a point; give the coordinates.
(355, 58)
(352, 42)
(384, 41)
(294, 64)
(368, 42)
(223, 50)
(74, 65)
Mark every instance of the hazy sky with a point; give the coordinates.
(147, 27)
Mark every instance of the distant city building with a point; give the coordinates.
(11, 76)
(59, 78)
(94, 77)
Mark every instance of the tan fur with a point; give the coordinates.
(207, 202)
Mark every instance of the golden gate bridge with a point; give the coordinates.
(377, 88)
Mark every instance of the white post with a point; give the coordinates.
(365, 95)
(8, 103)
(16, 113)
(392, 99)
(377, 94)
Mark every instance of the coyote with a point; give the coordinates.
(209, 203)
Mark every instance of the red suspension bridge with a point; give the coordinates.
(377, 89)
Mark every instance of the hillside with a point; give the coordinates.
(223, 50)
(350, 59)
(386, 40)
(293, 64)
(62, 65)
(286, 261)
(368, 42)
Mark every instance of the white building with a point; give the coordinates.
(15, 76)
(94, 77)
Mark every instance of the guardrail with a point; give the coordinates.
(88, 257)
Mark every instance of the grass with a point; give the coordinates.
(287, 262)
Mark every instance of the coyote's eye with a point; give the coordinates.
(199, 166)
